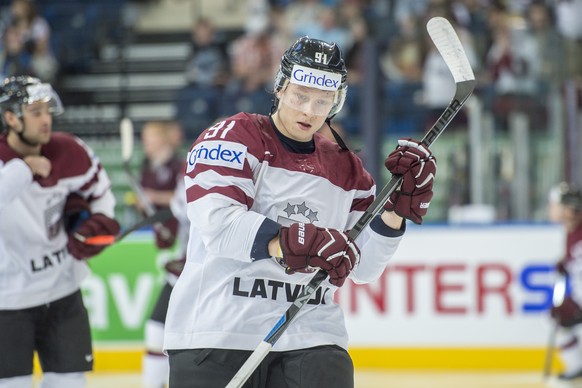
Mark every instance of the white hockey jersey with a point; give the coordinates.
(238, 174)
(35, 266)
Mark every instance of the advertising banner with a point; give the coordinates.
(469, 286)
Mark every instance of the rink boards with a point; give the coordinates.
(454, 297)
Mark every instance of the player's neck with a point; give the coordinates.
(161, 157)
(20, 147)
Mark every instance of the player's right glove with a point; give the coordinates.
(167, 238)
(567, 314)
(97, 224)
(417, 165)
(305, 247)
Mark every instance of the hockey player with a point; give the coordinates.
(569, 313)
(53, 194)
(155, 363)
(161, 173)
(269, 201)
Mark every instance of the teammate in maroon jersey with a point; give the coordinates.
(569, 313)
(269, 200)
(53, 195)
(161, 172)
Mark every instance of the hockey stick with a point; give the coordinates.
(557, 299)
(126, 135)
(108, 239)
(446, 41)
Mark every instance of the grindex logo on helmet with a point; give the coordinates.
(314, 78)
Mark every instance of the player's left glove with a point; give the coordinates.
(417, 165)
(306, 247)
(76, 211)
(97, 224)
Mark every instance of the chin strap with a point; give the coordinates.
(336, 136)
(25, 140)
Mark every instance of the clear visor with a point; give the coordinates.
(311, 101)
(44, 93)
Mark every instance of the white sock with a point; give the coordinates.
(63, 380)
(155, 371)
(16, 382)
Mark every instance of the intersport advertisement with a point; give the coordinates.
(447, 286)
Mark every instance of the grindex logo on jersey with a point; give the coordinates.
(218, 153)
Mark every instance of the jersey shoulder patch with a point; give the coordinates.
(227, 143)
(217, 153)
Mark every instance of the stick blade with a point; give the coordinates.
(449, 46)
(126, 133)
(100, 240)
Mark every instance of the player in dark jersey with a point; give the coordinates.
(269, 200)
(569, 313)
(53, 195)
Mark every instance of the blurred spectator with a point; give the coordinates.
(472, 15)
(327, 27)
(207, 64)
(207, 71)
(384, 17)
(568, 22)
(348, 119)
(511, 63)
(437, 80)
(402, 66)
(543, 37)
(438, 89)
(161, 166)
(161, 173)
(512, 68)
(254, 57)
(301, 14)
(14, 60)
(402, 59)
(34, 32)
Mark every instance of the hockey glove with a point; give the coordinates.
(567, 314)
(417, 165)
(305, 247)
(76, 211)
(97, 224)
(175, 267)
(166, 239)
